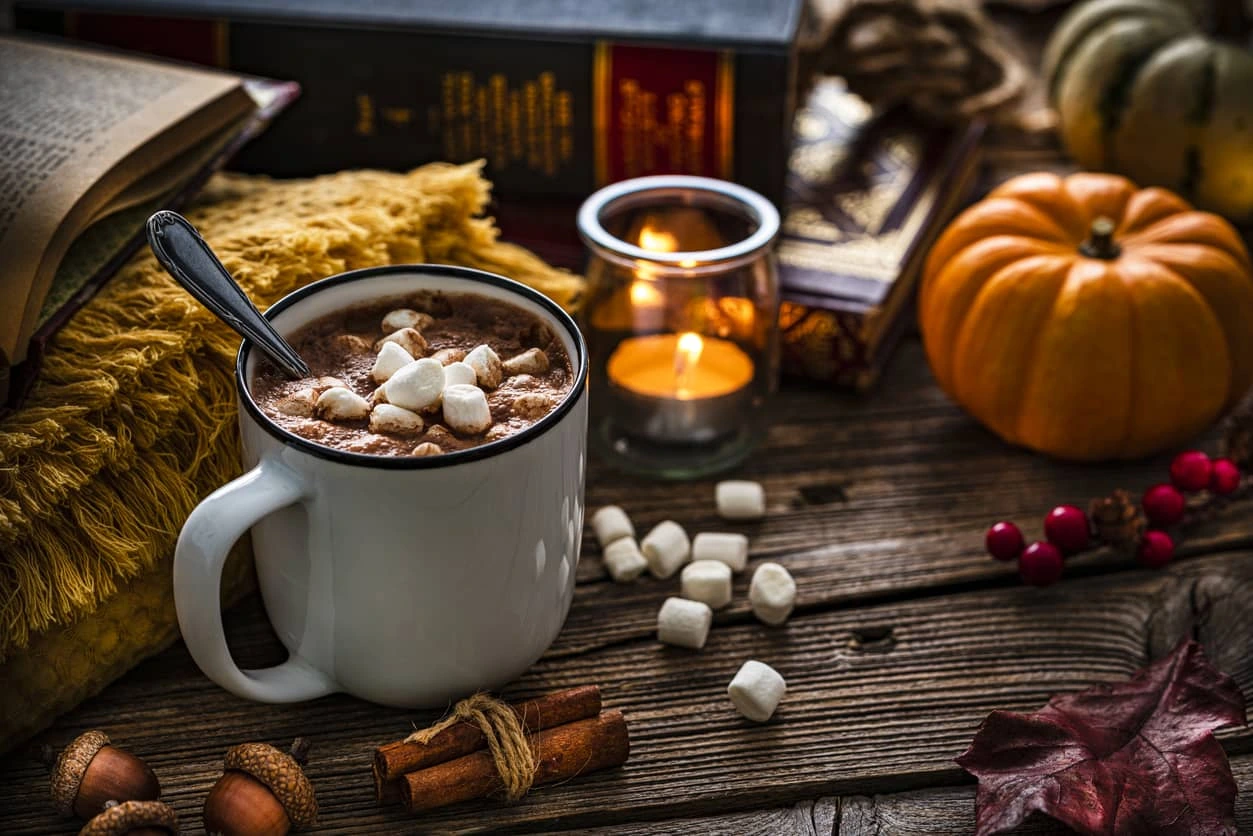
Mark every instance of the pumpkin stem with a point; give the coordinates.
(1100, 243)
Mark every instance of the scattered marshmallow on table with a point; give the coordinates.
(740, 500)
(725, 547)
(466, 410)
(772, 593)
(707, 581)
(623, 560)
(666, 548)
(417, 385)
(684, 623)
(391, 359)
(756, 690)
(531, 361)
(458, 372)
(486, 365)
(611, 523)
(406, 318)
(394, 420)
(340, 404)
(408, 339)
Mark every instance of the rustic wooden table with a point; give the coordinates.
(905, 637)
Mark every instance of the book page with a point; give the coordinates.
(76, 129)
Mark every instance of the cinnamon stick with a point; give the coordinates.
(561, 753)
(393, 760)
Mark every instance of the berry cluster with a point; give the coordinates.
(1068, 530)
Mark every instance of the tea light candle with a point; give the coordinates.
(680, 387)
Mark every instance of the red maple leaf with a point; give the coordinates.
(1134, 757)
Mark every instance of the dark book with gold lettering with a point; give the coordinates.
(866, 195)
(560, 97)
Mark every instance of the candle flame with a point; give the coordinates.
(644, 294)
(687, 354)
(658, 240)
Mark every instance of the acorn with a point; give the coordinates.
(133, 818)
(263, 792)
(92, 771)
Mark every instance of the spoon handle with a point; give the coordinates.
(185, 256)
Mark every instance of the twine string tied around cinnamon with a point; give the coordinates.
(506, 739)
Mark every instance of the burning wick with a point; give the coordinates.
(657, 241)
(686, 355)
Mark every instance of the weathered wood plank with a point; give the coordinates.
(805, 818)
(952, 811)
(881, 699)
(868, 498)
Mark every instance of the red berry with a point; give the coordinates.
(1156, 549)
(1163, 505)
(1004, 541)
(1190, 471)
(1067, 528)
(1040, 564)
(1225, 477)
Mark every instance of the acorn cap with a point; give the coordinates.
(72, 766)
(282, 776)
(121, 819)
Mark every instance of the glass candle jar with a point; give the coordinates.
(681, 323)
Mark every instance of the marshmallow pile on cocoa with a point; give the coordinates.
(416, 394)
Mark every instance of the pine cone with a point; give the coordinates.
(1116, 519)
(1238, 439)
(943, 58)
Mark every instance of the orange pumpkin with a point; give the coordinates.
(1088, 319)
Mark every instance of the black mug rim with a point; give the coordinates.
(482, 451)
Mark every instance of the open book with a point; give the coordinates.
(90, 143)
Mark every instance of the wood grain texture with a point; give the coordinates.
(881, 698)
(952, 810)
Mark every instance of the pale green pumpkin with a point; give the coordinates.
(1142, 90)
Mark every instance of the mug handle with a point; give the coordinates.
(207, 537)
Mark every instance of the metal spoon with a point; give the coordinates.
(187, 257)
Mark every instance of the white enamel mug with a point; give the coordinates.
(406, 581)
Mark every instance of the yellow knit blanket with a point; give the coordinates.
(133, 418)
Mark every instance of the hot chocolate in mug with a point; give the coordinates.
(407, 581)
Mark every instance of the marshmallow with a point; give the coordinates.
(394, 420)
(405, 318)
(684, 623)
(531, 361)
(772, 593)
(707, 581)
(458, 372)
(391, 359)
(533, 405)
(466, 410)
(426, 448)
(417, 385)
(666, 548)
(486, 366)
(340, 404)
(325, 383)
(449, 355)
(623, 560)
(439, 435)
(611, 523)
(756, 690)
(408, 339)
(300, 404)
(738, 500)
(728, 548)
(351, 343)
